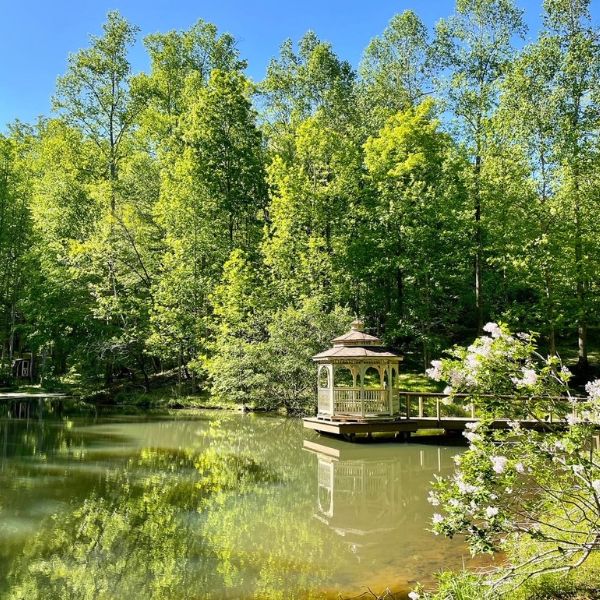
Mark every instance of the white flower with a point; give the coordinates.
(559, 445)
(577, 469)
(447, 401)
(514, 425)
(456, 378)
(593, 389)
(508, 490)
(499, 463)
(465, 488)
(472, 361)
(414, 596)
(491, 511)
(482, 348)
(519, 467)
(472, 437)
(448, 390)
(530, 377)
(493, 329)
(524, 336)
(473, 425)
(437, 518)
(433, 499)
(596, 485)
(572, 419)
(435, 372)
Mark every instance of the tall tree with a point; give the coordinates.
(395, 69)
(94, 94)
(473, 47)
(298, 84)
(15, 236)
(572, 45)
(417, 235)
(95, 97)
(212, 201)
(180, 61)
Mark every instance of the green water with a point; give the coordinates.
(210, 505)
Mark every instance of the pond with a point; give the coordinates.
(211, 505)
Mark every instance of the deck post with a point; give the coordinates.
(407, 399)
(420, 407)
(437, 408)
(472, 410)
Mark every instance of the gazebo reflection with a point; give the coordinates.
(369, 495)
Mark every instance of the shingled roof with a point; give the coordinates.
(356, 345)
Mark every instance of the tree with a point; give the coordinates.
(180, 62)
(298, 85)
(212, 202)
(15, 238)
(569, 44)
(311, 205)
(94, 94)
(414, 257)
(95, 97)
(473, 48)
(395, 71)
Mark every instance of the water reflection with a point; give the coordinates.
(213, 505)
(374, 498)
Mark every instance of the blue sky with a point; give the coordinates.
(37, 36)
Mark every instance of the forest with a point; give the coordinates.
(189, 219)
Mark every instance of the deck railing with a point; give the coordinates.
(374, 402)
(438, 405)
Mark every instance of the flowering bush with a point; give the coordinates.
(533, 493)
(498, 368)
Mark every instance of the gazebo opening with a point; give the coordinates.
(357, 377)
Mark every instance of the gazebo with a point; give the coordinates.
(357, 378)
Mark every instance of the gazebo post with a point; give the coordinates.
(332, 391)
(390, 377)
(362, 391)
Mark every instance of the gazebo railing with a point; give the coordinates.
(324, 401)
(355, 401)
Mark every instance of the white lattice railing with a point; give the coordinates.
(324, 401)
(357, 401)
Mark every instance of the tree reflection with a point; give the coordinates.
(208, 521)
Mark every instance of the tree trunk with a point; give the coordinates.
(478, 247)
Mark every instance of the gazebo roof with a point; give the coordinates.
(356, 353)
(357, 338)
(355, 346)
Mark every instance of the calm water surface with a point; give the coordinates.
(211, 505)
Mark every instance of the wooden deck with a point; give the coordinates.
(418, 410)
(412, 425)
(31, 395)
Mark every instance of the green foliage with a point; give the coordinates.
(190, 220)
(395, 69)
(268, 363)
(419, 191)
(533, 493)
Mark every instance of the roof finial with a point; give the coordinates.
(357, 325)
